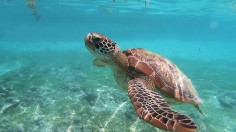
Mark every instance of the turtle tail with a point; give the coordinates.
(198, 108)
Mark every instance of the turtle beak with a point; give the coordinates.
(88, 42)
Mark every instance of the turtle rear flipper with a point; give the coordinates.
(152, 108)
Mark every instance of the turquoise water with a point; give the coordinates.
(48, 82)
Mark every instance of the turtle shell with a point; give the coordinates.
(167, 77)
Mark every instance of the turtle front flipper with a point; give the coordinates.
(152, 108)
(98, 63)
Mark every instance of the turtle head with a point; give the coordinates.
(101, 47)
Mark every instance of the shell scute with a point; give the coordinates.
(165, 74)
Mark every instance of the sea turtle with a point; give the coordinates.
(152, 81)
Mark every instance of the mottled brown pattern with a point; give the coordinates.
(166, 75)
(152, 108)
(144, 71)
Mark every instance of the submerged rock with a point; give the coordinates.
(227, 100)
(17, 128)
(77, 119)
(8, 107)
(90, 98)
(3, 91)
(5, 119)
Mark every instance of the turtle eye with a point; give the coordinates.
(96, 39)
